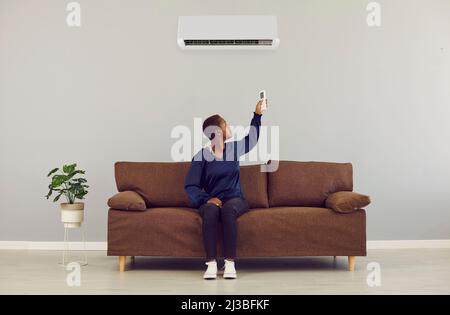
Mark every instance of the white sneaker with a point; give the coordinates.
(211, 271)
(230, 270)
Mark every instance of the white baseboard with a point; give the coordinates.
(102, 246)
(409, 244)
(13, 245)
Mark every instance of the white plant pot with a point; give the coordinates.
(72, 215)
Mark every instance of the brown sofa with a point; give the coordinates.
(302, 209)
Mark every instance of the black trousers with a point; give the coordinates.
(228, 214)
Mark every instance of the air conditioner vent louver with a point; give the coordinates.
(228, 42)
(228, 32)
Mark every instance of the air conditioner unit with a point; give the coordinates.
(228, 32)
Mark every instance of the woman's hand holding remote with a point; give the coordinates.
(258, 109)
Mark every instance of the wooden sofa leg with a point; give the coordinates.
(122, 262)
(351, 263)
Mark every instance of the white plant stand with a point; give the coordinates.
(67, 250)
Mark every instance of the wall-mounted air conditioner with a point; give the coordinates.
(228, 32)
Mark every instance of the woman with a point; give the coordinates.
(213, 186)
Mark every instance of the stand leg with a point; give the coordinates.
(83, 238)
(65, 245)
(66, 248)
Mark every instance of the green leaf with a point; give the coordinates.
(58, 180)
(72, 174)
(57, 198)
(69, 168)
(53, 171)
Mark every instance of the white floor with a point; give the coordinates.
(425, 271)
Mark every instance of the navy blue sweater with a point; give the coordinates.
(211, 177)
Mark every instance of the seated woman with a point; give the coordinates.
(213, 186)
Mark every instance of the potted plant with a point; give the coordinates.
(68, 183)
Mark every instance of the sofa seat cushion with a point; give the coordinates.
(263, 232)
(301, 231)
(167, 231)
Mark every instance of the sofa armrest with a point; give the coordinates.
(127, 200)
(346, 201)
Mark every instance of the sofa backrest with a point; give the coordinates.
(161, 184)
(254, 186)
(307, 184)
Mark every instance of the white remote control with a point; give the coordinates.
(263, 98)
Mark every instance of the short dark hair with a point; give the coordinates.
(212, 121)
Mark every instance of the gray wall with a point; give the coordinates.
(114, 89)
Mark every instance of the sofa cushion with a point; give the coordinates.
(307, 184)
(161, 184)
(301, 231)
(167, 231)
(254, 186)
(347, 201)
(127, 200)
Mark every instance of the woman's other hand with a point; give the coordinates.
(258, 109)
(215, 201)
